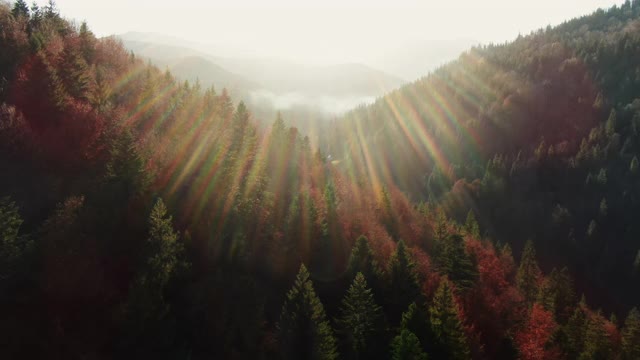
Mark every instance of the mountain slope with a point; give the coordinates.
(275, 75)
(192, 66)
(142, 216)
(538, 137)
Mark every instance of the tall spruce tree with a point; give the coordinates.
(446, 325)
(557, 295)
(148, 311)
(597, 344)
(13, 246)
(528, 273)
(406, 346)
(631, 336)
(471, 226)
(404, 287)
(456, 263)
(416, 320)
(362, 261)
(303, 330)
(359, 319)
(574, 332)
(20, 9)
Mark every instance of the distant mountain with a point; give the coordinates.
(209, 73)
(339, 80)
(275, 76)
(192, 65)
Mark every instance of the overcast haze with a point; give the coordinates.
(375, 33)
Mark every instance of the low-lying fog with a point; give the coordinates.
(326, 104)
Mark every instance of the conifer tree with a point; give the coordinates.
(359, 318)
(126, 175)
(404, 287)
(20, 9)
(406, 346)
(416, 320)
(556, 294)
(224, 106)
(446, 325)
(36, 15)
(51, 10)
(303, 330)
(597, 344)
(325, 254)
(75, 74)
(362, 261)
(456, 263)
(631, 336)
(164, 248)
(528, 273)
(13, 246)
(471, 226)
(148, 309)
(87, 42)
(440, 231)
(574, 331)
(386, 212)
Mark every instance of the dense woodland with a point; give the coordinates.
(142, 216)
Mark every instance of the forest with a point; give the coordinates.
(485, 211)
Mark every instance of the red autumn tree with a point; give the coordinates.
(532, 339)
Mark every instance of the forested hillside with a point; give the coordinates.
(538, 137)
(145, 217)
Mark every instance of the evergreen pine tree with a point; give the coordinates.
(164, 246)
(362, 261)
(446, 325)
(631, 336)
(456, 263)
(404, 287)
(406, 346)
(126, 175)
(546, 296)
(36, 15)
(13, 246)
(87, 42)
(75, 74)
(440, 231)
(574, 331)
(359, 318)
(20, 9)
(557, 295)
(471, 226)
(386, 213)
(148, 309)
(51, 10)
(416, 320)
(597, 344)
(303, 330)
(528, 273)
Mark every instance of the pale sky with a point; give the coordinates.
(326, 31)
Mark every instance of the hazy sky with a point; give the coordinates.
(326, 31)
